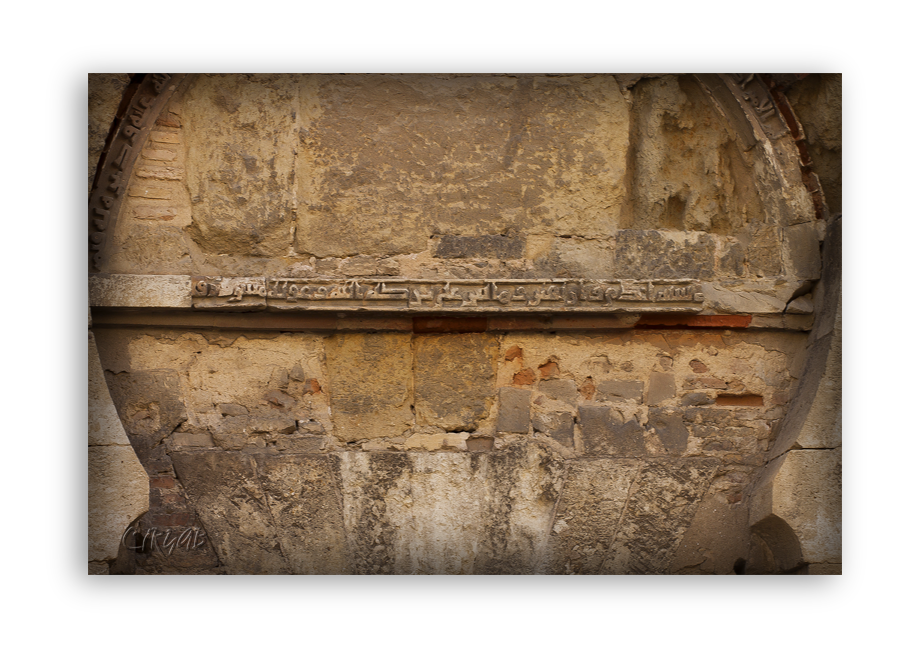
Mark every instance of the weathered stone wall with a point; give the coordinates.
(610, 442)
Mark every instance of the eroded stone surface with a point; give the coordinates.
(440, 513)
(371, 390)
(454, 379)
(591, 505)
(117, 495)
(658, 512)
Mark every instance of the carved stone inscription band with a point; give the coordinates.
(502, 295)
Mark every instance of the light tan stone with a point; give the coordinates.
(104, 426)
(146, 192)
(118, 493)
(162, 155)
(127, 291)
(807, 494)
(371, 392)
(439, 513)
(454, 379)
(437, 441)
(729, 301)
(165, 137)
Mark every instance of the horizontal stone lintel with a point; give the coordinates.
(399, 304)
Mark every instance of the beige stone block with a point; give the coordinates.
(441, 512)
(146, 192)
(118, 493)
(437, 441)
(592, 502)
(454, 379)
(161, 173)
(133, 291)
(165, 137)
(162, 155)
(728, 301)
(155, 212)
(104, 425)
(370, 376)
(807, 494)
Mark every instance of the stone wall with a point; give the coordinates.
(629, 432)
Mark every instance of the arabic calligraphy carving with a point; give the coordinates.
(501, 295)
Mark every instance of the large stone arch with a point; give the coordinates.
(760, 122)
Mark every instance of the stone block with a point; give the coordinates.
(361, 265)
(559, 390)
(557, 425)
(227, 494)
(442, 512)
(479, 443)
(803, 251)
(190, 441)
(232, 410)
(662, 503)
(591, 504)
(161, 173)
(122, 291)
(728, 301)
(145, 192)
(158, 154)
(118, 493)
(433, 442)
(653, 254)
(301, 442)
(454, 379)
(487, 246)
(284, 425)
(104, 426)
(617, 390)
(155, 212)
(606, 433)
(807, 494)
(370, 380)
(670, 429)
(661, 388)
(696, 398)
(303, 498)
(165, 137)
(151, 406)
(513, 410)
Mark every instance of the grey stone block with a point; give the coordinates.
(513, 410)
(614, 390)
(560, 390)
(653, 254)
(556, 425)
(661, 387)
(669, 428)
(606, 433)
(491, 246)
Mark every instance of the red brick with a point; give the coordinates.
(744, 399)
(548, 369)
(526, 376)
(162, 482)
(450, 324)
(693, 321)
(518, 323)
(514, 352)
